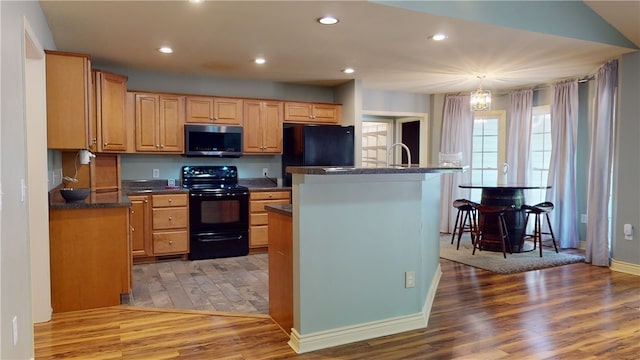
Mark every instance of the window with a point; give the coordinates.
(488, 150)
(539, 153)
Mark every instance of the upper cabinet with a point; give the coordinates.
(68, 79)
(214, 110)
(110, 100)
(159, 120)
(85, 110)
(262, 127)
(314, 113)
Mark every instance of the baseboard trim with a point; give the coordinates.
(349, 334)
(625, 267)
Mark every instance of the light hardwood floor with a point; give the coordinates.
(574, 311)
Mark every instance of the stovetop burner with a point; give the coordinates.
(211, 179)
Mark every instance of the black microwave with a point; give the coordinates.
(212, 140)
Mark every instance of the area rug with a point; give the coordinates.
(494, 262)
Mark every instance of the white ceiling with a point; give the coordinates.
(388, 46)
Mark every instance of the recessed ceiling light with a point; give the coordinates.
(196, 1)
(166, 50)
(328, 20)
(438, 37)
(260, 60)
(348, 71)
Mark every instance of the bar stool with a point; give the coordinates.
(467, 209)
(498, 212)
(537, 210)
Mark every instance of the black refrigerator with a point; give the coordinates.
(316, 145)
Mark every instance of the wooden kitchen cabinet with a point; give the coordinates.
(110, 111)
(281, 269)
(214, 110)
(159, 122)
(258, 218)
(140, 221)
(101, 174)
(68, 89)
(262, 127)
(170, 229)
(105, 172)
(312, 113)
(90, 257)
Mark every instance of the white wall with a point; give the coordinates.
(15, 281)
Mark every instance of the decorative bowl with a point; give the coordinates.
(74, 194)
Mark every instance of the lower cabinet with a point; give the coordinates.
(159, 226)
(90, 257)
(140, 214)
(170, 229)
(258, 218)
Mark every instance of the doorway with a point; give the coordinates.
(382, 129)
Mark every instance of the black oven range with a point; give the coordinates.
(218, 212)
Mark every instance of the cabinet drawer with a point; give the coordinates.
(258, 206)
(268, 195)
(168, 200)
(170, 218)
(259, 235)
(261, 218)
(170, 242)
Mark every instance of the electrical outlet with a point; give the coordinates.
(265, 171)
(14, 327)
(409, 279)
(584, 218)
(156, 173)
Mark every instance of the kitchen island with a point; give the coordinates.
(365, 249)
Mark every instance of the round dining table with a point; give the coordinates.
(504, 195)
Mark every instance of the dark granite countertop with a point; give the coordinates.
(94, 200)
(284, 209)
(261, 184)
(142, 187)
(347, 170)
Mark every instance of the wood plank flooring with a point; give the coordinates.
(574, 311)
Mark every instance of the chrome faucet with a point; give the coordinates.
(404, 147)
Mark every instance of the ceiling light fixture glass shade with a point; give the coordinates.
(480, 99)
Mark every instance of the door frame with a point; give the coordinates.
(401, 117)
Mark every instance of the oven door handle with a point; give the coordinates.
(211, 237)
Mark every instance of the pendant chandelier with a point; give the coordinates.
(480, 99)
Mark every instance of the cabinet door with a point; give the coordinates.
(271, 126)
(199, 109)
(252, 135)
(228, 111)
(327, 113)
(68, 94)
(147, 122)
(171, 122)
(111, 92)
(262, 127)
(140, 226)
(295, 111)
